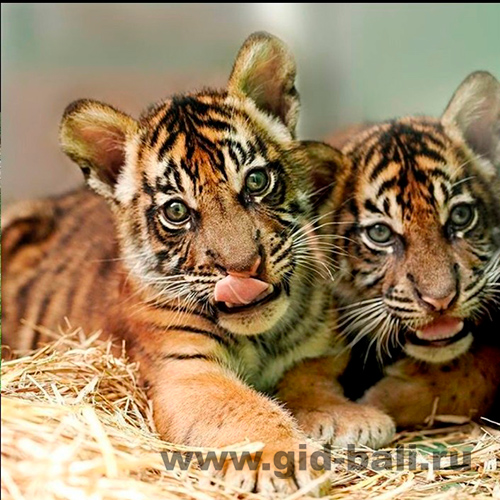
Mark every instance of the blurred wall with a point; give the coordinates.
(356, 62)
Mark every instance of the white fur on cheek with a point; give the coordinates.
(125, 188)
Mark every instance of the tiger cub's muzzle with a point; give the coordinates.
(242, 289)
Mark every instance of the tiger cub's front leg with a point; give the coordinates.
(412, 390)
(315, 398)
(199, 402)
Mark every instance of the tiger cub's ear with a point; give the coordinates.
(475, 110)
(94, 135)
(265, 71)
(325, 165)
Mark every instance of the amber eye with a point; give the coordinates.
(257, 181)
(380, 233)
(176, 212)
(462, 215)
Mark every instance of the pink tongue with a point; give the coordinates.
(239, 291)
(442, 328)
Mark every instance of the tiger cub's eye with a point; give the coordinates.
(176, 211)
(257, 181)
(461, 216)
(380, 233)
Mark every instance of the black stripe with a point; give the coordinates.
(371, 151)
(459, 186)
(401, 309)
(471, 286)
(474, 295)
(219, 163)
(45, 303)
(167, 145)
(433, 155)
(199, 331)
(278, 247)
(402, 300)
(445, 191)
(387, 207)
(374, 282)
(437, 172)
(431, 137)
(40, 317)
(380, 167)
(237, 146)
(146, 187)
(386, 185)
(186, 356)
(171, 115)
(22, 296)
(251, 152)
(152, 223)
(371, 207)
(283, 256)
(192, 176)
(234, 158)
(218, 125)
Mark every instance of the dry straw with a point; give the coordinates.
(76, 425)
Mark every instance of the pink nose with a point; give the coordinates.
(252, 271)
(440, 303)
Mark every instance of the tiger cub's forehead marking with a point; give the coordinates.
(193, 141)
(173, 178)
(409, 169)
(195, 148)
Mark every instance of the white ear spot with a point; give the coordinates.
(127, 183)
(125, 188)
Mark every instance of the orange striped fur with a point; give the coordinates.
(173, 215)
(419, 207)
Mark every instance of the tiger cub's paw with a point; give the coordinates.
(280, 470)
(409, 401)
(348, 423)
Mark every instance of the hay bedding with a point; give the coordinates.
(76, 426)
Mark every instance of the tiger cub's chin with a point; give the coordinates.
(439, 354)
(255, 319)
(439, 340)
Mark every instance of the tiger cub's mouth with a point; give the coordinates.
(441, 332)
(270, 293)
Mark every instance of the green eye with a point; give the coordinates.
(380, 233)
(462, 215)
(176, 212)
(257, 181)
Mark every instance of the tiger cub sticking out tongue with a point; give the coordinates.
(420, 209)
(219, 285)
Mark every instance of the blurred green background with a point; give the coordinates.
(356, 62)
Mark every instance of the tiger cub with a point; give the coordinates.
(203, 250)
(419, 207)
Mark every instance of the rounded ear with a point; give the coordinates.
(475, 110)
(94, 135)
(265, 71)
(325, 165)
